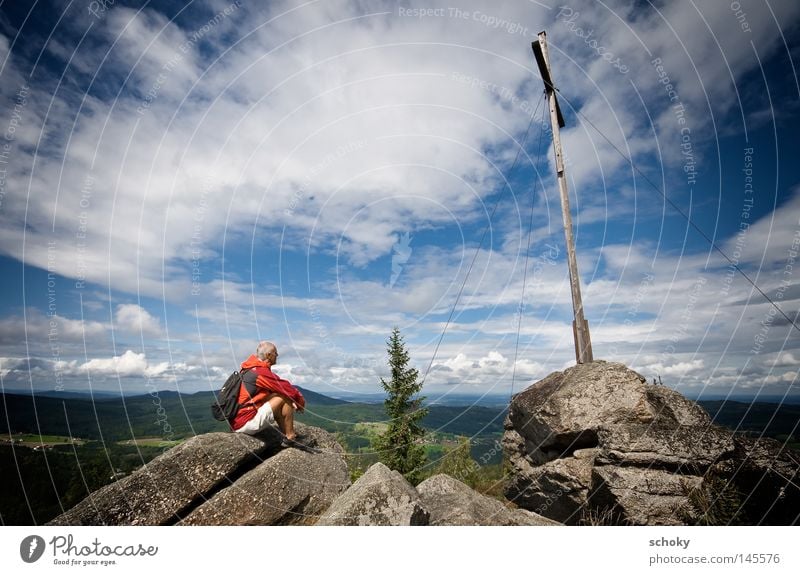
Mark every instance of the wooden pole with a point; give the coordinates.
(580, 327)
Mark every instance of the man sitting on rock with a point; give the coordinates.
(265, 399)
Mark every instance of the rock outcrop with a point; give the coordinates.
(597, 443)
(451, 502)
(765, 477)
(383, 497)
(157, 492)
(174, 485)
(379, 497)
(291, 488)
(235, 479)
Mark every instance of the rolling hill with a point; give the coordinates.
(174, 416)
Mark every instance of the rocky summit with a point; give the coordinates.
(597, 444)
(594, 444)
(235, 479)
(293, 487)
(224, 479)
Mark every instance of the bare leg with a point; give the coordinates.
(284, 415)
(288, 421)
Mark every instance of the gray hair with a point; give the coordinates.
(264, 349)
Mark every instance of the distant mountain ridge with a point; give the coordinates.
(106, 395)
(169, 413)
(173, 415)
(451, 399)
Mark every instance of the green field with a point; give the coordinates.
(151, 442)
(32, 439)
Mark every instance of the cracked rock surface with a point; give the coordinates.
(223, 479)
(381, 496)
(597, 440)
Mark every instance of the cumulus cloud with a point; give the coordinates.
(129, 364)
(132, 364)
(9, 365)
(767, 243)
(488, 371)
(786, 359)
(38, 328)
(370, 129)
(137, 320)
(679, 369)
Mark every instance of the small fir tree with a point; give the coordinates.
(400, 446)
(457, 462)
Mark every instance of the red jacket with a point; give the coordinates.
(267, 383)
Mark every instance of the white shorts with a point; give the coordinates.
(261, 420)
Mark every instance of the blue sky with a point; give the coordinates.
(181, 180)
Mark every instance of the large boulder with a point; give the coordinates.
(379, 497)
(597, 440)
(293, 487)
(642, 495)
(158, 492)
(760, 481)
(451, 502)
(558, 489)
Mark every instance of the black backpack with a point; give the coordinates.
(226, 406)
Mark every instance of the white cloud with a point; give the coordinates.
(127, 364)
(39, 328)
(679, 369)
(786, 359)
(367, 130)
(136, 320)
(766, 244)
(10, 364)
(491, 371)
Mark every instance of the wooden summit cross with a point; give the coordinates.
(580, 327)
